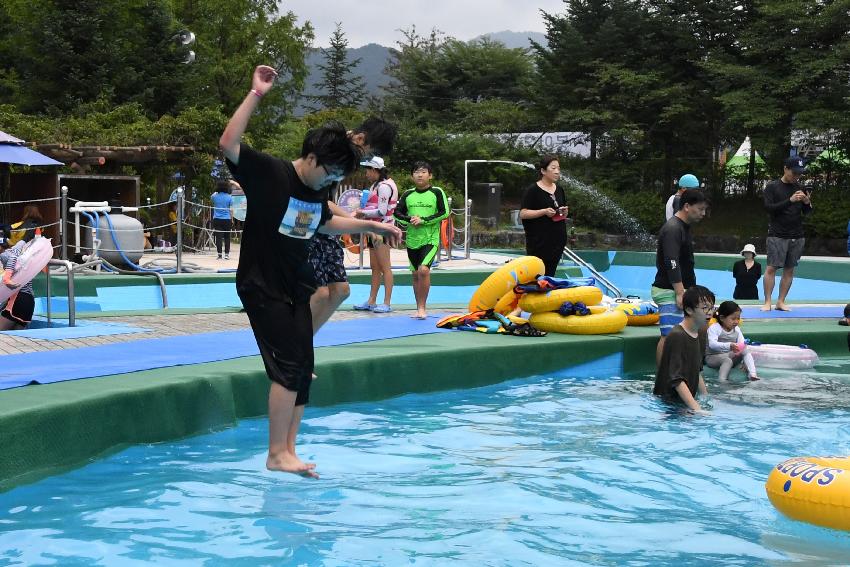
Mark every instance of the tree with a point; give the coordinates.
(789, 70)
(232, 38)
(339, 86)
(431, 75)
(67, 53)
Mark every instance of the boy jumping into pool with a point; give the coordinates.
(286, 206)
(420, 211)
(679, 377)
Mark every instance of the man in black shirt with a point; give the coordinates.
(287, 203)
(674, 262)
(786, 203)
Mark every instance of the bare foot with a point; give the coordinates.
(291, 464)
(754, 378)
(766, 307)
(421, 315)
(782, 307)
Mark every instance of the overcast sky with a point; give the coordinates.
(378, 21)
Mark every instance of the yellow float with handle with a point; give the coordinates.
(601, 321)
(812, 489)
(639, 313)
(519, 271)
(552, 300)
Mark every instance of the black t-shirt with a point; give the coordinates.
(282, 217)
(674, 258)
(543, 231)
(681, 361)
(786, 218)
(745, 280)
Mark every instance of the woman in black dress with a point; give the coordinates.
(543, 212)
(746, 273)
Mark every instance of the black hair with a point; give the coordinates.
(383, 173)
(332, 147)
(378, 134)
(847, 310)
(725, 309)
(695, 295)
(421, 165)
(223, 186)
(691, 197)
(544, 162)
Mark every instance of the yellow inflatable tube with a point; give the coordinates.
(520, 271)
(595, 324)
(812, 489)
(552, 300)
(640, 314)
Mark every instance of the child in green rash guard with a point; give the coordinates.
(420, 212)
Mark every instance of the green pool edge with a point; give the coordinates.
(47, 429)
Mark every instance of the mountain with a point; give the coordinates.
(371, 68)
(375, 57)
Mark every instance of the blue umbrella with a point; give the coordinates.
(12, 151)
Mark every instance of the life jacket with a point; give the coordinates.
(372, 201)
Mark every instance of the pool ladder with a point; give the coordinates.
(576, 259)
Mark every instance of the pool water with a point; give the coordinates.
(550, 470)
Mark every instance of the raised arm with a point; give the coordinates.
(261, 83)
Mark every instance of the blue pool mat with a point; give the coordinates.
(88, 362)
(59, 330)
(797, 312)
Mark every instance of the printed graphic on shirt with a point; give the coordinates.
(301, 219)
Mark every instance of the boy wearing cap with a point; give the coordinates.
(746, 273)
(674, 203)
(786, 202)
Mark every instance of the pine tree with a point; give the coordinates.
(340, 87)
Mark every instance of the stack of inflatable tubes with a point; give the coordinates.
(497, 293)
(812, 489)
(544, 312)
(639, 313)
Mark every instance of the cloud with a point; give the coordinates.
(379, 21)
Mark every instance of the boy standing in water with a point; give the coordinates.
(286, 206)
(679, 376)
(420, 211)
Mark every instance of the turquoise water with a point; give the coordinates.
(551, 470)
(636, 280)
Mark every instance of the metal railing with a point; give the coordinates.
(589, 267)
(69, 268)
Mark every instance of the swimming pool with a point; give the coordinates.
(554, 470)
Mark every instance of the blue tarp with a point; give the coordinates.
(88, 362)
(13, 153)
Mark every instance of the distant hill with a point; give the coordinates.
(375, 58)
(514, 39)
(371, 68)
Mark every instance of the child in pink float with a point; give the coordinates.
(726, 347)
